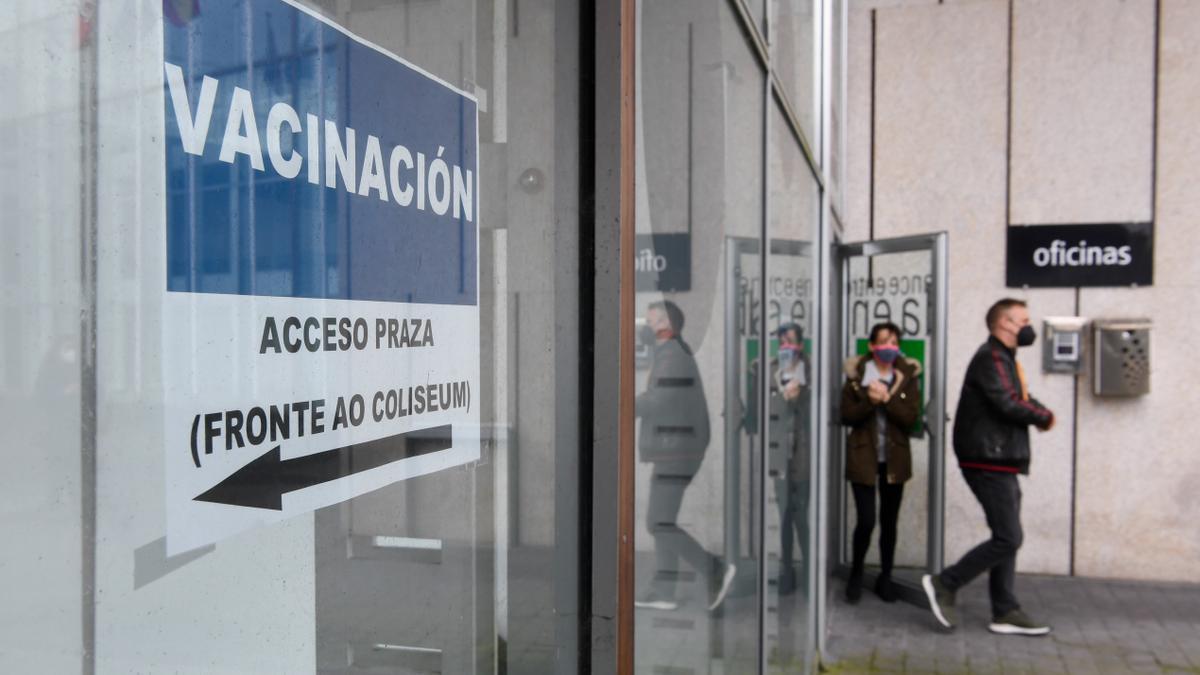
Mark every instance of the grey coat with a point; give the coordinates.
(673, 409)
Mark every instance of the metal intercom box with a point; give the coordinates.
(1122, 357)
(1062, 346)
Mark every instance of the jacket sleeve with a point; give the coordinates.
(856, 407)
(1042, 425)
(992, 378)
(905, 405)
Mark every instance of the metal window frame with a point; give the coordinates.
(938, 245)
(607, 522)
(607, 512)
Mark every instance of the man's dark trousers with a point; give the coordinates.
(1000, 496)
(668, 483)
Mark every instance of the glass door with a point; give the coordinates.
(900, 282)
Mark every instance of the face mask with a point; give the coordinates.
(1026, 336)
(787, 357)
(886, 355)
(646, 336)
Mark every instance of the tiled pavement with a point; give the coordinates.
(1105, 627)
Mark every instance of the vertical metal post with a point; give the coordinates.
(764, 374)
(827, 499)
(838, 441)
(733, 432)
(607, 136)
(825, 385)
(937, 413)
(625, 509)
(88, 400)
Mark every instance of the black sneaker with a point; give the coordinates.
(941, 600)
(1017, 622)
(719, 586)
(885, 589)
(654, 600)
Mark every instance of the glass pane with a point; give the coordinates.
(834, 173)
(791, 309)
(795, 56)
(159, 242)
(43, 336)
(699, 219)
(896, 288)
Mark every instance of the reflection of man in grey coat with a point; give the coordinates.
(673, 437)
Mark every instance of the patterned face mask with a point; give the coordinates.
(886, 354)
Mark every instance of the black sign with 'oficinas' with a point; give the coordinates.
(1108, 254)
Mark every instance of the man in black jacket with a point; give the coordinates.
(991, 441)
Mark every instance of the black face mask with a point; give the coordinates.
(1026, 336)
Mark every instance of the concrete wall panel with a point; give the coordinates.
(1178, 171)
(858, 125)
(1138, 470)
(1138, 507)
(1082, 103)
(940, 118)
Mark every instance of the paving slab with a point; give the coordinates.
(1100, 626)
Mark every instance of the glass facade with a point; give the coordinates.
(214, 468)
(729, 213)
(466, 569)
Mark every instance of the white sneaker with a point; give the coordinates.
(1017, 622)
(941, 601)
(654, 601)
(726, 582)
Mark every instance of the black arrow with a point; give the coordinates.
(261, 483)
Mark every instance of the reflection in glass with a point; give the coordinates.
(791, 306)
(795, 53)
(699, 201)
(789, 393)
(673, 438)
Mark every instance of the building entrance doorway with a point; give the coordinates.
(901, 281)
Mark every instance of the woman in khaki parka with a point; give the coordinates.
(880, 404)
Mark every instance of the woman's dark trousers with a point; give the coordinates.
(889, 512)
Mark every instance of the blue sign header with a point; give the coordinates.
(302, 162)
